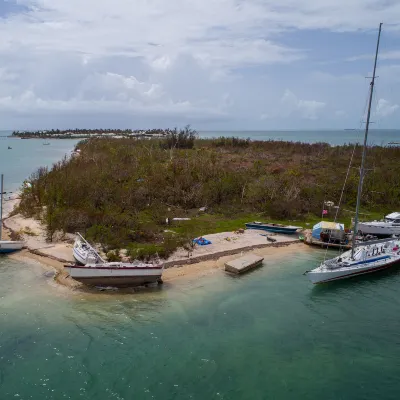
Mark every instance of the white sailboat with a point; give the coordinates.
(84, 253)
(91, 269)
(6, 246)
(367, 257)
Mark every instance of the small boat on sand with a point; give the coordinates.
(116, 274)
(277, 228)
(6, 246)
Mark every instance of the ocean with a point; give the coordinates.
(269, 334)
(334, 137)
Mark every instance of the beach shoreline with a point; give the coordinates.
(201, 261)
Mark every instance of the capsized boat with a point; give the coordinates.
(388, 227)
(366, 257)
(6, 246)
(84, 253)
(116, 274)
(277, 228)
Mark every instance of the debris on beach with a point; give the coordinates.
(201, 241)
(243, 264)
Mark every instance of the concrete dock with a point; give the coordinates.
(243, 264)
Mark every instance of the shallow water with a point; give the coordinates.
(266, 335)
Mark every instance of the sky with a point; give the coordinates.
(213, 64)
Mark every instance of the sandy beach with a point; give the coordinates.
(201, 261)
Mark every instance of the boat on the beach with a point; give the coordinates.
(116, 274)
(388, 227)
(277, 228)
(6, 246)
(84, 253)
(366, 257)
(91, 269)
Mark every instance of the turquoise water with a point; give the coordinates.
(26, 156)
(266, 335)
(269, 334)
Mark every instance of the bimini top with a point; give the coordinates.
(394, 215)
(329, 225)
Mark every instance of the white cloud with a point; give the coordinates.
(169, 57)
(307, 109)
(385, 108)
(386, 55)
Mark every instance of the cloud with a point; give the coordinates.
(387, 55)
(307, 109)
(176, 58)
(385, 108)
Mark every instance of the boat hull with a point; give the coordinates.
(117, 277)
(275, 229)
(317, 277)
(379, 229)
(7, 247)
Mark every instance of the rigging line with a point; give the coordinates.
(346, 179)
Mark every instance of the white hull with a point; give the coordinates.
(9, 246)
(323, 275)
(83, 254)
(116, 274)
(379, 228)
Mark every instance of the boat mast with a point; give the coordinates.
(1, 204)
(362, 170)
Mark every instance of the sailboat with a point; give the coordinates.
(363, 258)
(90, 269)
(6, 246)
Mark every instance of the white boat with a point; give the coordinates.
(91, 269)
(388, 227)
(84, 253)
(9, 246)
(6, 246)
(116, 274)
(366, 257)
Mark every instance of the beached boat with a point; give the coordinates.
(366, 257)
(388, 227)
(84, 253)
(91, 269)
(6, 246)
(277, 228)
(116, 274)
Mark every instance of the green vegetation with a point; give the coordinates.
(120, 192)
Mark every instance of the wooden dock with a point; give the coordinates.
(325, 245)
(243, 264)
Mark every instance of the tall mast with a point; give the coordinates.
(1, 203)
(362, 170)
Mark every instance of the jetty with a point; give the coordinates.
(243, 264)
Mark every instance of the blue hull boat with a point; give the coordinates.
(276, 228)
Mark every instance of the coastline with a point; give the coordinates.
(181, 266)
